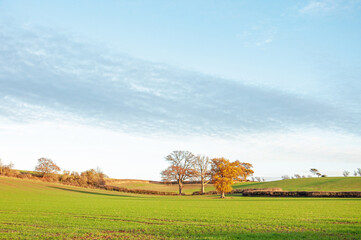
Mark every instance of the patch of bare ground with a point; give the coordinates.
(345, 222)
(22, 224)
(119, 234)
(122, 220)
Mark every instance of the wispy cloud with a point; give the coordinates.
(258, 35)
(328, 6)
(44, 74)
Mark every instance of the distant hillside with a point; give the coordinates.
(302, 184)
(309, 184)
(153, 186)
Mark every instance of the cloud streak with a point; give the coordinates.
(44, 74)
(328, 6)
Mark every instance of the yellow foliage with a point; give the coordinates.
(225, 173)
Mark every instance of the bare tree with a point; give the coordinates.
(259, 179)
(346, 173)
(314, 171)
(202, 166)
(181, 168)
(47, 167)
(284, 177)
(355, 173)
(359, 171)
(297, 176)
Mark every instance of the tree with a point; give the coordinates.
(314, 171)
(284, 177)
(181, 168)
(47, 167)
(359, 171)
(355, 173)
(224, 173)
(346, 173)
(202, 167)
(1, 167)
(6, 170)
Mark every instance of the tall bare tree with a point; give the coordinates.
(180, 169)
(202, 165)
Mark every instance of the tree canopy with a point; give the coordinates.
(181, 168)
(225, 173)
(47, 167)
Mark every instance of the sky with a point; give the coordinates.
(121, 84)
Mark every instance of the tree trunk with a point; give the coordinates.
(202, 188)
(180, 184)
(222, 194)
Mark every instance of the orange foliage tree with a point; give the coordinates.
(224, 173)
(47, 167)
(181, 168)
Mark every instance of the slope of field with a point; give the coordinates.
(34, 209)
(302, 184)
(147, 185)
(309, 184)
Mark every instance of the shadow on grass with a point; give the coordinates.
(92, 193)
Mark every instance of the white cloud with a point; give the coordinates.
(329, 6)
(258, 35)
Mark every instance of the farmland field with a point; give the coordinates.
(302, 184)
(33, 209)
(309, 184)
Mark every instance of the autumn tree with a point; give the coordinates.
(180, 169)
(202, 165)
(6, 169)
(314, 171)
(225, 173)
(47, 167)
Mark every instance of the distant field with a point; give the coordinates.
(146, 185)
(309, 184)
(302, 184)
(33, 209)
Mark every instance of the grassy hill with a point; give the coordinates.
(148, 185)
(302, 184)
(32, 209)
(309, 184)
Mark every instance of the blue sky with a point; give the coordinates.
(275, 84)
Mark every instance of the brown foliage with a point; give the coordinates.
(47, 167)
(7, 170)
(181, 168)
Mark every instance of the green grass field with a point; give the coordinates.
(309, 184)
(302, 184)
(33, 209)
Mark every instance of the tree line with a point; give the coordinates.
(47, 170)
(184, 165)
